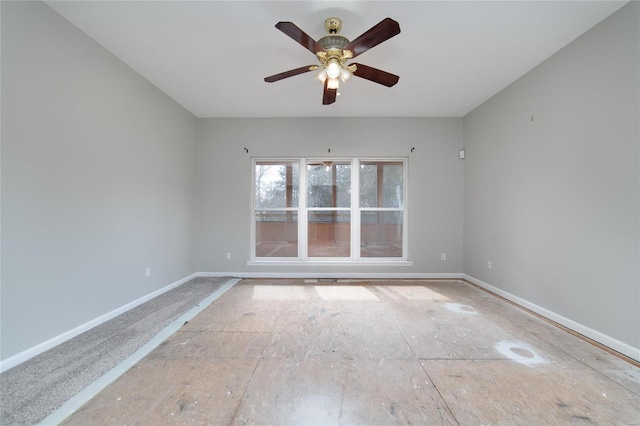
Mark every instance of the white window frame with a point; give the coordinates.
(302, 212)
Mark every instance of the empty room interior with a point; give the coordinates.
(320, 212)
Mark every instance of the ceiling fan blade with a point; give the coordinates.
(380, 32)
(329, 95)
(292, 30)
(290, 73)
(376, 75)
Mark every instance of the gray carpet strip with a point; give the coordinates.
(34, 389)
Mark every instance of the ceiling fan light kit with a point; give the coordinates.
(333, 51)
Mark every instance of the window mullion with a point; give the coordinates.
(252, 252)
(355, 209)
(303, 215)
(405, 220)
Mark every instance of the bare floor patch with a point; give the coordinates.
(460, 308)
(521, 353)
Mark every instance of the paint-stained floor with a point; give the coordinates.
(289, 352)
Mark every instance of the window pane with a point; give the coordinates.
(329, 234)
(276, 234)
(329, 184)
(381, 234)
(368, 185)
(381, 184)
(276, 184)
(392, 185)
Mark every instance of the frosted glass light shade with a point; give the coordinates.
(344, 74)
(333, 69)
(321, 75)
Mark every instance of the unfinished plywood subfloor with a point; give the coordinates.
(427, 352)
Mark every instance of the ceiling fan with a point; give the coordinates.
(333, 51)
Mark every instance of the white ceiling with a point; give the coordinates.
(212, 56)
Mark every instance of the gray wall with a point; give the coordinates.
(97, 180)
(434, 188)
(554, 202)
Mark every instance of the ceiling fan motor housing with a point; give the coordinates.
(333, 42)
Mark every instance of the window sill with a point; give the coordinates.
(329, 263)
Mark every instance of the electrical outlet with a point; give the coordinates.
(488, 264)
(443, 256)
(148, 272)
(228, 255)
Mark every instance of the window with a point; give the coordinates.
(276, 209)
(329, 210)
(381, 208)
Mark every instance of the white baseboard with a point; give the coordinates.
(360, 275)
(55, 341)
(595, 335)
